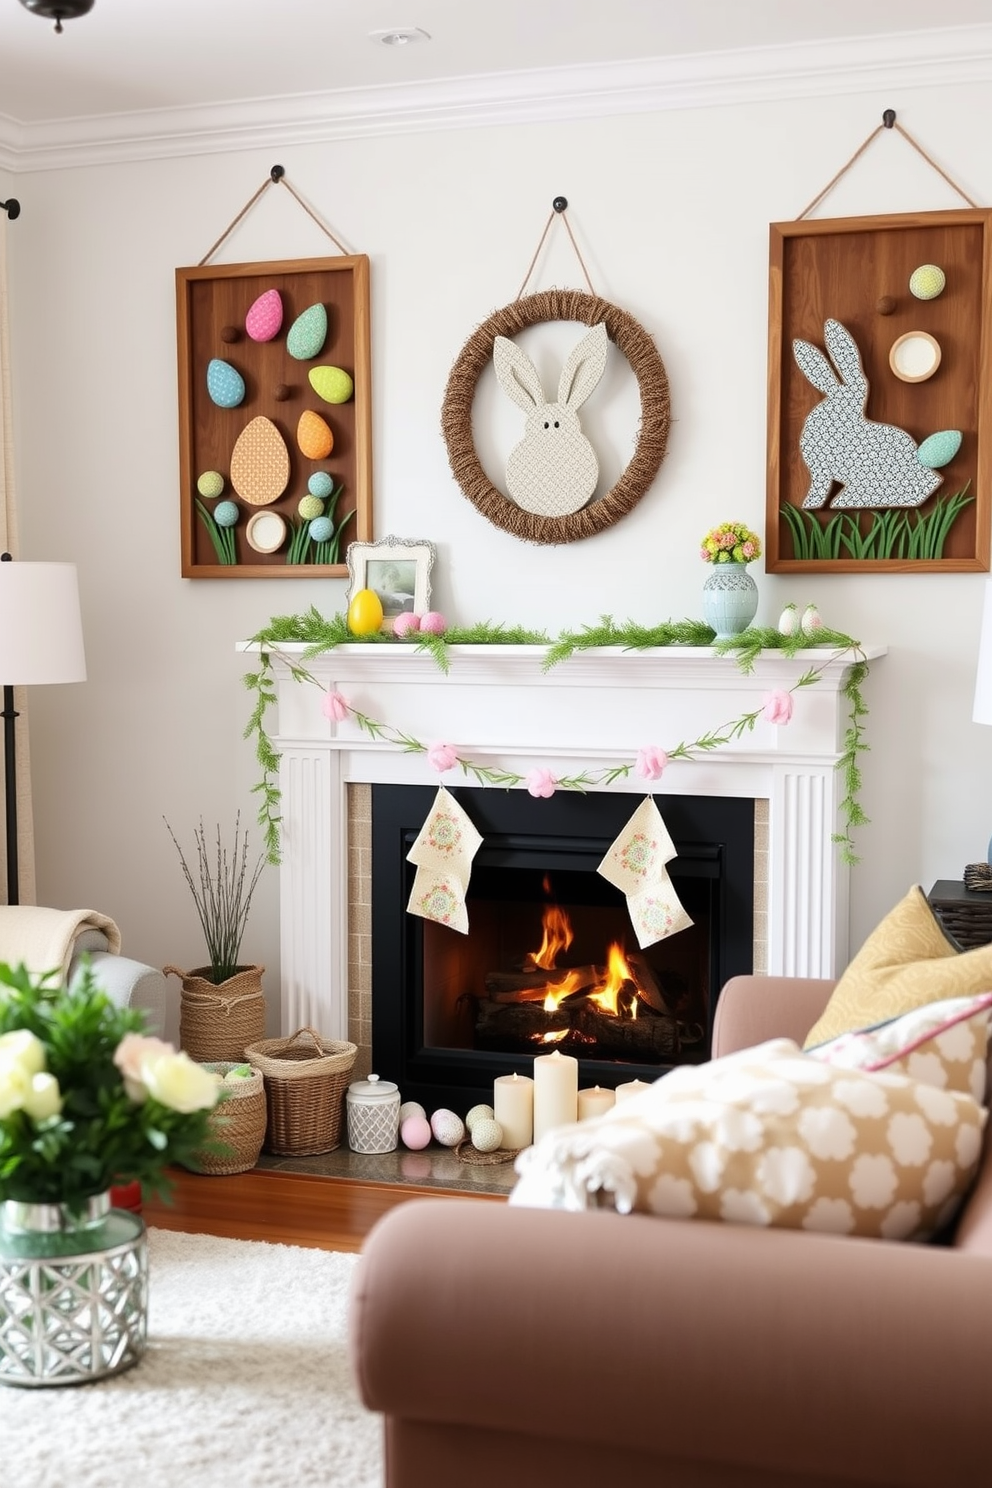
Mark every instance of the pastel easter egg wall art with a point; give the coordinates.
(314, 435)
(264, 318)
(307, 334)
(260, 463)
(333, 384)
(225, 385)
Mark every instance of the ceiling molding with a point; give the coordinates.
(701, 80)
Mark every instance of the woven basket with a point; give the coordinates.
(306, 1078)
(216, 1022)
(237, 1122)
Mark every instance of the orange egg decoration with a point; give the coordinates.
(365, 613)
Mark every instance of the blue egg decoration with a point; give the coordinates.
(226, 514)
(320, 484)
(939, 449)
(321, 529)
(307, 334)
(225, 384)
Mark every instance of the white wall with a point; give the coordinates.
(671, 211)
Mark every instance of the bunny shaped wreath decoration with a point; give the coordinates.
(564, 509)
(875, 464)
(553, 470)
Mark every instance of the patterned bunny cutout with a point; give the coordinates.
(876, 465)
(553, 470)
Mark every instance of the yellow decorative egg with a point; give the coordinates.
(365, 613)
(927, 282)
(333, 384)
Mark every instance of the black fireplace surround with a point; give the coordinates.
(568, 836)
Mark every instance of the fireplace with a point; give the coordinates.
(502, 708)
(550, 958)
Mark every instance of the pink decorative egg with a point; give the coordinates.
(433, 623)
(264, 318)
(415, 1132)
(406, 624)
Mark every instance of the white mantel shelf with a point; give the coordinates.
(499, 707)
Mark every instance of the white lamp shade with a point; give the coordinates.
(41, 632)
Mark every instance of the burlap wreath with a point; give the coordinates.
(652, 437)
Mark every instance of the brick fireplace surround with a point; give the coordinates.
(498, 707)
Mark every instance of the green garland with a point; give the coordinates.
(319, 635)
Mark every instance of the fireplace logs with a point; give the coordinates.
(520, 1026)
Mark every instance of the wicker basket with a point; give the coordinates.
(216, 1022)
(306, 1078)
(238, 1122)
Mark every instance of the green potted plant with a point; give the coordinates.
(222, 1007)
(88, 1102)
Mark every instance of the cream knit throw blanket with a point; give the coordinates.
(44, 939)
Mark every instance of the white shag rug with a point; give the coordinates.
(245, 1381)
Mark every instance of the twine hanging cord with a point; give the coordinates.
(276, 177)
(888, 122)
(559, 209)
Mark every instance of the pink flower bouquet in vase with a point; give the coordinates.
(730, 595)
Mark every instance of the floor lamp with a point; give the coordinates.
(41, 640)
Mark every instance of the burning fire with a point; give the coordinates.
(558, 936)
(617, 973)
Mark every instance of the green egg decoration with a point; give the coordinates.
(927, 282)
(210, 484)
(333, 384)
(307, 334)
(310, 507)
(939, 449)
(225, 385)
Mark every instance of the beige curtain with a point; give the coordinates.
(8, 544)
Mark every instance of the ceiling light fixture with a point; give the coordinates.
(59, 10)
(398, 36)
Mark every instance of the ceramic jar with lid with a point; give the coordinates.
(373, 1115)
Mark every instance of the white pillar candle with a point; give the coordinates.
(556, 1090)
(593, 1101)
(513, 1104)
(631, 1087)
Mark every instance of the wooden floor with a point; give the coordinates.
(286, 1208)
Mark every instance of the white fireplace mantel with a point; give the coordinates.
(499, 707)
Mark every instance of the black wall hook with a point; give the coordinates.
(889, 118)
(12, 208)
(560, 203)
(277, 172)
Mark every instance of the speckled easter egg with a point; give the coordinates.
(210, 484)
(433, 623)
(487, 1136)
(260, 463)
(411, 1108)
(939, 449)
(479, 1113)
(307, 334)
(320, 484)
(225, 385)
(264, 319)
(333, 384)
(321, 529)
(406, 624)
(448, 1128)
(226, 514)
(415, 1132)
(314, 436)
(927, 282)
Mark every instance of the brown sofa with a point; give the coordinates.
(524, 1348)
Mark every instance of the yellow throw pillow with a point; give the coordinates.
(769, 1136)
(904, 964)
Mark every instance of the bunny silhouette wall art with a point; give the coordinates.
(553, 470)
(875, 464)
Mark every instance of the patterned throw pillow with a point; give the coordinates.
(769, 1136)
(906, 962)
(944, 1044)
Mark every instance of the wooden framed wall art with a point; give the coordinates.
(275, 417)
(880, 394)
